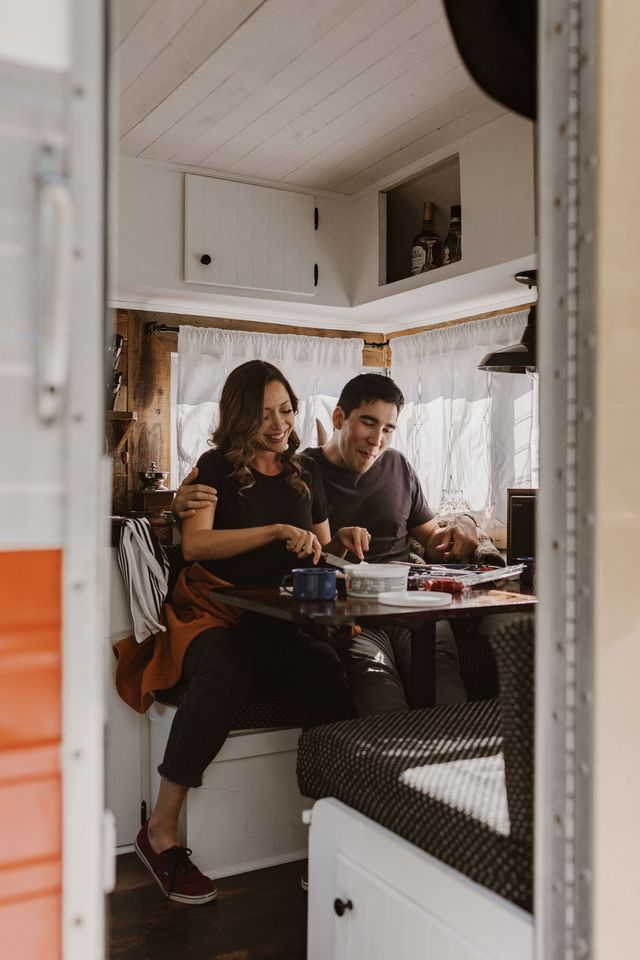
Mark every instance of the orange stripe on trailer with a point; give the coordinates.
(30, 732)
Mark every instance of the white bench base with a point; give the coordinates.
(248, 812)
(405, 904)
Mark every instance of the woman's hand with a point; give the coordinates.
(192, 497)
(303, 543)
(354, 540)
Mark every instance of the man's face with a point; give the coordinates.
(365, 433)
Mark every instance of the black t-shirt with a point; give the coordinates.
(269, 500)
(387, 499)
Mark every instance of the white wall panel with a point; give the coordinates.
(35, 34)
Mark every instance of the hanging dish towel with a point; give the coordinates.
(144, 567)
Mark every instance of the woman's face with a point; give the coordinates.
(277, 418)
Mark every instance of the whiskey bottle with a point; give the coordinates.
(452, 249)
(426, 249)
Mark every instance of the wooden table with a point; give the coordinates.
(269, 602)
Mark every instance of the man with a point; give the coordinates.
(376, 505)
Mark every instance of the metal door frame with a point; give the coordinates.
(565, 636)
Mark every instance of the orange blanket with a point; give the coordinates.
(156, 663)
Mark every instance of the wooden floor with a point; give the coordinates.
(256, 915)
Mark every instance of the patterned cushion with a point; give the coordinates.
(437, 777)
(256, 714)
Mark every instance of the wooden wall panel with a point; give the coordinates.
(149, 395)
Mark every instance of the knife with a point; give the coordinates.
(334, 561)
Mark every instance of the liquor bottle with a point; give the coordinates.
(426, 249)
(452, 249)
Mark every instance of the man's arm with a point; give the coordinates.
(354, 540)
(457, 541)
(191, 497)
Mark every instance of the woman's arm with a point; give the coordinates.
(200, 542)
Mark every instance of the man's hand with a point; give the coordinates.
(457, 541)
(354, 540)
(303, 543)
(192, 497)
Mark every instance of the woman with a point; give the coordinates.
(270, 515)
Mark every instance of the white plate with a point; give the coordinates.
(415, 598)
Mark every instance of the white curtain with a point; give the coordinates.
(316, 367)
(469, 434)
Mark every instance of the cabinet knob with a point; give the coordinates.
(341, 905)
(205, 259)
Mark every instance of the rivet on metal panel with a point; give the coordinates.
(582, 947)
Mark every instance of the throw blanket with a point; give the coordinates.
(156, 663)
(144, 568)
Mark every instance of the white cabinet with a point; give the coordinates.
(374, 896)
(491, 174)
(242, 235)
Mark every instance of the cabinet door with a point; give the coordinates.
(257, 238)
(385, 924)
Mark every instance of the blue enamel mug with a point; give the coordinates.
(311, 583)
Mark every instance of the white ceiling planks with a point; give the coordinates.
(197, 41)
(246, 64)
(329, 94)
(352, 45)
(382, 55)
(430, 131)
(127, 14)
(358, 113)
(151, 34)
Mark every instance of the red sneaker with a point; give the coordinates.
(178, 878)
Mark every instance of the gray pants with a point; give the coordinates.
(379, 668)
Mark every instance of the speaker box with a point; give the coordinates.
(521, 524)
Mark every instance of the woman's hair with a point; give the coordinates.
(240, 420)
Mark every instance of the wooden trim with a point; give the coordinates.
(371, 356)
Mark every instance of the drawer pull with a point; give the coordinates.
(341, 905)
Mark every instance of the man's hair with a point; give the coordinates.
(367, 388)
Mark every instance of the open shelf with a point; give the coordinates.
(401, 215)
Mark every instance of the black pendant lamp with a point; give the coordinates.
(521, 357)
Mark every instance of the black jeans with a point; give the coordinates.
(224, 668)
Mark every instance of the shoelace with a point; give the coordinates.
(179, 864)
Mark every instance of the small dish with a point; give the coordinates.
(415, 598)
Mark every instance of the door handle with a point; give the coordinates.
(52, 283)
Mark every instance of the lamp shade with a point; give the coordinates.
(521, 357)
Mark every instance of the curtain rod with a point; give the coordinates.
(153, 327)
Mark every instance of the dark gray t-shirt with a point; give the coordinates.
(387, 499)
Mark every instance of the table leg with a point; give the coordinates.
(422, 686)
